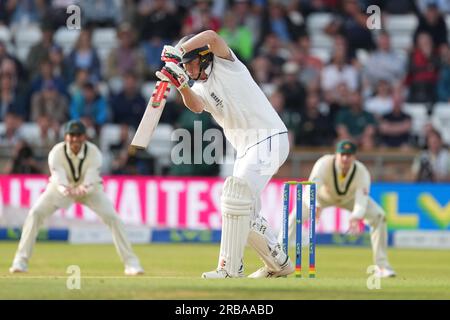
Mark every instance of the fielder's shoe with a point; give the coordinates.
(286, 269)
(18, 267)
(385, 272)
(133, 270)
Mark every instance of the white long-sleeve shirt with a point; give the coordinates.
(350, 192)
(70, 170)
(238, 105)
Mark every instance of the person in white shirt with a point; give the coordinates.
(75, 177)
(224, 87)
(344, 182)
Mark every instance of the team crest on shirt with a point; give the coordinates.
(217, 100)
(365, 192)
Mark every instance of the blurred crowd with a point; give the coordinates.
(320, 101)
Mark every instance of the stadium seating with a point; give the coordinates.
(419, 117)
(401, 29)
(66, 38)
(25, 38)
(441, 120)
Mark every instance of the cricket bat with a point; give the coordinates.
(151, 116)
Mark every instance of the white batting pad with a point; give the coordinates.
(272, 256)
(237, 205)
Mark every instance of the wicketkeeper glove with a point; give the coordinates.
(174, 74)
(171, 54)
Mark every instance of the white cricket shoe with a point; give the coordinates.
(264, 272)
(133, 270)
(19, 266)
(220, 274)
(385, 272)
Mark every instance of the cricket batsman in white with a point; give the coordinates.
(224, 87)
(344, 182)
(75, 177)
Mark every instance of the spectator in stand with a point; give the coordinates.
(433, 23)
(100, 13)
(337, 72)
(384, 64)
(40, 51)
(395, 126)
(22, 161)
(442, 5)
(293, 90)
(58, 63)
(46, 75)
(48, 133)
(423, 71)
(352, 23)
(262, 71)
(273, 49)
(310, 66)
(290, 118)
(356, 124)
(90, 107)
(432, 164)
(158, 22)
(49, 102)
(443, 85)
(26, 12)
(11, 99)
(10, 59)
(315, 128)
(382, 103)
(84, 56)
(126, 57)
(200, 18)
(129, 105)
(238, 37)
(12, 133)
(276, 20)
(244, 12)
(6, 10)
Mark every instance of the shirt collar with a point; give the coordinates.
(339, 171)
(80, 154)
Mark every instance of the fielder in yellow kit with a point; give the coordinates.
(75, 177)
(344, 182)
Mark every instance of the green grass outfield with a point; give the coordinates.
(173, 272)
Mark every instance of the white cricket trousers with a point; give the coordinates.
(258, 165)
(52, 200)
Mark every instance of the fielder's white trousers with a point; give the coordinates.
(374, 217)
(51, 200)
(257, 166)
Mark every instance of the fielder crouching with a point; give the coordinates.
(344, 182)
(75, 177)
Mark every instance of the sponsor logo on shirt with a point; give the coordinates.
(218, 101)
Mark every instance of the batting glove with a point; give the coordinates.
(171, 54)
(174, 74)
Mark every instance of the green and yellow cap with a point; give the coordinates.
(346, 146)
